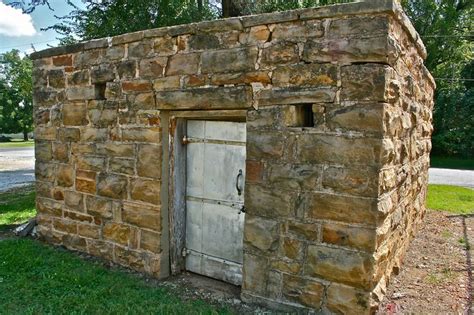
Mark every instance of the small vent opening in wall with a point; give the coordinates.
(300, 115)
(100, 91)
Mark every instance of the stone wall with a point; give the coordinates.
(338, 109)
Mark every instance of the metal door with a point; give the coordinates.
(215, 172)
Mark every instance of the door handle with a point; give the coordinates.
(238, 180)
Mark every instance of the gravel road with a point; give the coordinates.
(452, 177)
(17, 167)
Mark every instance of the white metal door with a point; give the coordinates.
(215, 173)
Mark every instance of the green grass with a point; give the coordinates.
(452, 162)
(39, 279)
(17, 144)
(17, 206)
(453, 199)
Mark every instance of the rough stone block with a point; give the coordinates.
(75, 114)
(89, 231)
(241, 78)
(74, 200)
(295, 95)
(305, 75)
(267, 202)
(305, 231)
(45, 171)
(139, 49)
(261, 233)
(150, 241)
(102, 73)
(57, 79)
(352, 181)
(165, 46)
(65, 175)
(349, 236)
(152, 135)
(145, 190)
(230, 60)
(81, 93)
(343, 266)
(295, 176)
(127, 69)
(344, 299)
(136, 86)
(143, 216)
(341, 208)
(43, 151)
(69, 134)
(205, 98)
(265, 145)
(298, 31)
(80, 77)
(364, 83)
(167, 83)
(86, 185)
(291, 248)
(62, 61)
(118, 233)
(112, 186)
(346, 51)
(367, 26)
(362, 118)
(99, 207)
(303, 291)
(122, 166)
(255, 274)
(280, 53)
(254, 171)
(152, 68)
(149, 155)
(116, 149)
(183, 64)
(341, 150)
(90, 163)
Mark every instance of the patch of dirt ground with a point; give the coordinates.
(435, 277)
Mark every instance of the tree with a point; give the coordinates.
(446, 27)
(16, 102)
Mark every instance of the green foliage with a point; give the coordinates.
(453, 199)
(446, 27)
(109, 18)
(39, 279)
(266, 6)
(16, 101)
(452, 162)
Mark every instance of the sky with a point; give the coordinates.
(19, 30)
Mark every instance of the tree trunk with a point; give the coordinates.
(229, 9)
(25, 135)
(226, 8)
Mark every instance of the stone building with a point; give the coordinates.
(286, 152)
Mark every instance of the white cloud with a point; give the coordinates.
(14, 23)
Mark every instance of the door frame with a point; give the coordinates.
(173, 212)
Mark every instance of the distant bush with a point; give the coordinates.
(5, 139)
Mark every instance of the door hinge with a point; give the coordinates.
(184, 252)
